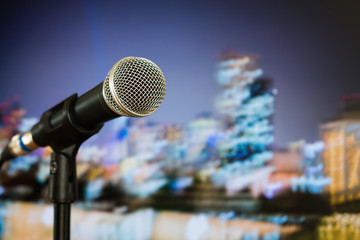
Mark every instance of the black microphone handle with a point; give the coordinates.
(72, 121)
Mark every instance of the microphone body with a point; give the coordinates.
(134, 87)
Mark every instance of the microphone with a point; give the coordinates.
(134, 87)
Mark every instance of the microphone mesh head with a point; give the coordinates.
(134, 87)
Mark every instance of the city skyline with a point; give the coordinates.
(51, 51)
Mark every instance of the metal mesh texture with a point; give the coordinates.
(134, 87)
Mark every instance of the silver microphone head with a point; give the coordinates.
(134, 87)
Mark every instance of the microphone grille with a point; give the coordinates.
(134, 87)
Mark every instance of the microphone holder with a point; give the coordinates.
(68, 135)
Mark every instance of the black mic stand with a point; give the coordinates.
(63, 188)
(65, 136)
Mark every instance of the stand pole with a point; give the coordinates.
(63, 189)
(62, 221)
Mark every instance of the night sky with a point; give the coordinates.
(52, 49)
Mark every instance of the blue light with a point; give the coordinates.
(121, 135)
(213, 140)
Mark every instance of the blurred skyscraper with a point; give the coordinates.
(245, 104)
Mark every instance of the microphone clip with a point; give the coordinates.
(58, 127)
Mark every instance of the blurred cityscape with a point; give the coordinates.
(218, 177)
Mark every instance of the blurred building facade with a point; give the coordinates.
(341, 157)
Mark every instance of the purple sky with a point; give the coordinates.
(51, 50)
